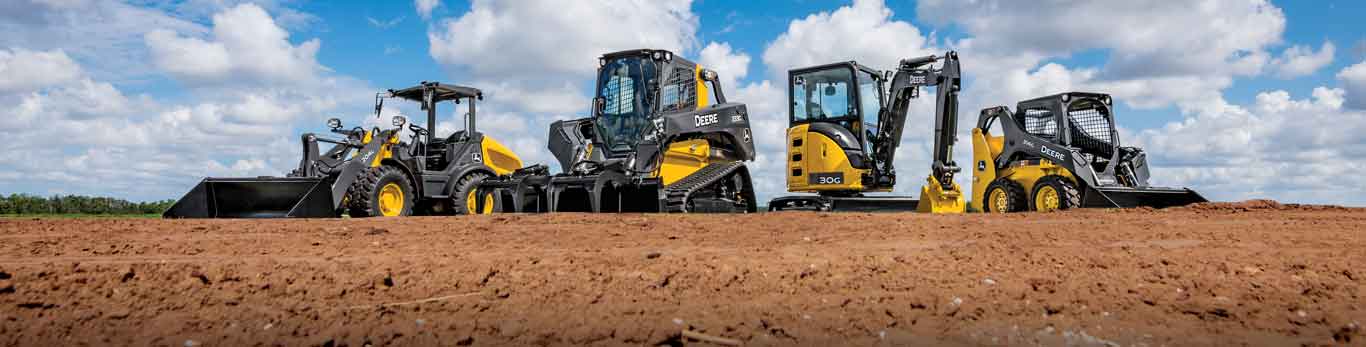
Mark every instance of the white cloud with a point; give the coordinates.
(23, 70)
(1278, 147)
(107, 32)
(425, 7)
(730, 66)
(1198, 48)
(535, 38)
(1354, 81)
(246, 44)
(863, 31)
(1299, 60)
(1208, 36)
(237, 116)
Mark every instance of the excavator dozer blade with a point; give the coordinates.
(265, 197)
(1155, 197)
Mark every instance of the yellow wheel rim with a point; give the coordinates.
(997, 201)
(472, 206)
(391, 200)
(1046, 199)
(488, 204)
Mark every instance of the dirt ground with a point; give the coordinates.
(1256, 273)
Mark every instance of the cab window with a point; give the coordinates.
(823, 95)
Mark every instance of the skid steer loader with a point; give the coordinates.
(661, 138)
(845, 125)
(371, 172)
(1059, 152)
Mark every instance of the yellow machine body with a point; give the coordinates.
(808, 153)
(683, 158)
(985, 149)
(499, 157)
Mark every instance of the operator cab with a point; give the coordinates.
(435, 152)
(846, 94)
(1082, 121)
(635, 87)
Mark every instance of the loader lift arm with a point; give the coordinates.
(909, 77)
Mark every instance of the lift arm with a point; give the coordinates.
(910, 76)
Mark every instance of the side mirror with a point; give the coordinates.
(334, 123)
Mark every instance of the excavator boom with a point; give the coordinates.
(909, 77)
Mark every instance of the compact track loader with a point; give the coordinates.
(1059, 152)
(369, 172)
(845, 127)
(662, 138)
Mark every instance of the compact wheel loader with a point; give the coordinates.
(662, 138)
(371, 172)
(1059, 152)
(845, 127)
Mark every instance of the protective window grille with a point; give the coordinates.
(620, 95)
(680, 92)
(1090, 129)
(1040, 122)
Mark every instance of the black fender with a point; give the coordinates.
(413, 180)
(462, 172)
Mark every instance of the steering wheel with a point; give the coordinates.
(417, 130)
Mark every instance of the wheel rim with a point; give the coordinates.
(472, 206)
(1046, 199)
(488, 204)
(998, 201)
(391, 200)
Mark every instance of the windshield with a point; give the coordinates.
(823, 95)
(624, 113)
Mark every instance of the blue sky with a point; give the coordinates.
(1238, 99)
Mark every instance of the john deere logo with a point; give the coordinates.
(706, 119)
(1050, 152)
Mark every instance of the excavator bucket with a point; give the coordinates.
(264, 197)
(1155, 197)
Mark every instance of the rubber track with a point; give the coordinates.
(677, 194)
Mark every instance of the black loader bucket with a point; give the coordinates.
(265, 197)
(1155, 197)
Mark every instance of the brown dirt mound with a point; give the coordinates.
(1271, 276)
(1257, 205)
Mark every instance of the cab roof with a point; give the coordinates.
(441, 92)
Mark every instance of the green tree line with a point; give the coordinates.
(77, 204)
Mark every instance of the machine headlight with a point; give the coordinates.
(334, 123)
(399, 121)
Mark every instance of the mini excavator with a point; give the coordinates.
(845, 127)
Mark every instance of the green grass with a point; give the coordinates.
(79, 215)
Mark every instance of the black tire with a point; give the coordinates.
(467, 184)
(363, 196)
(1068, 195)
(1015, 200)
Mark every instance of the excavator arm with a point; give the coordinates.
(906, 82)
